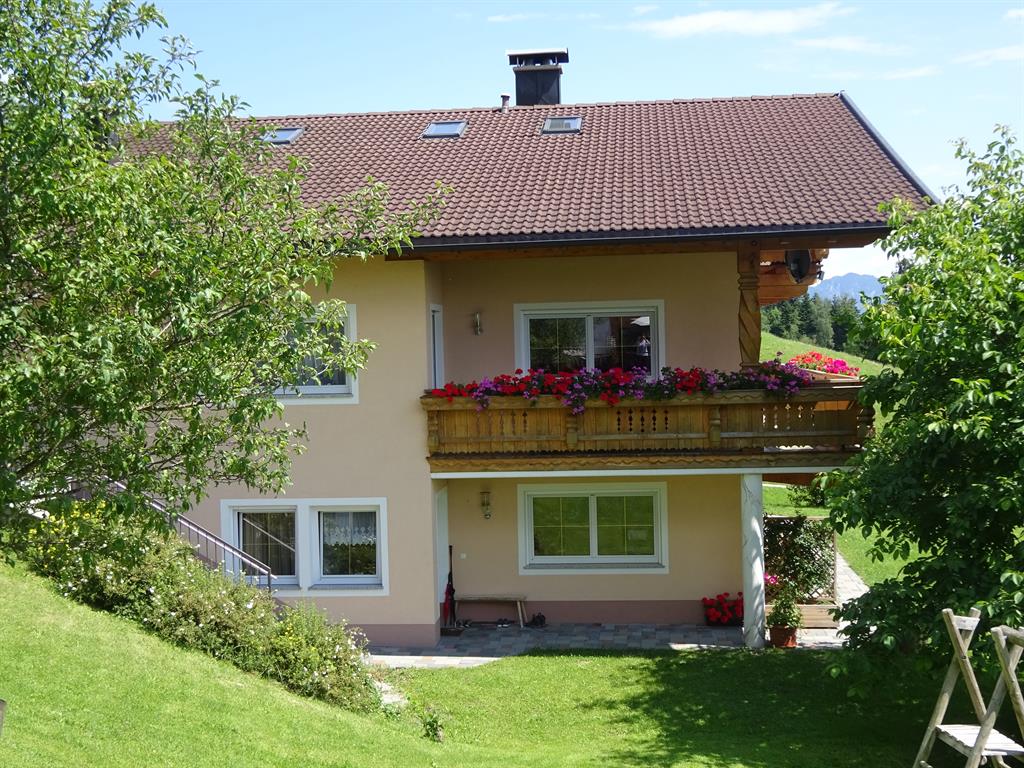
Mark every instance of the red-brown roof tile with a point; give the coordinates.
(807, 162)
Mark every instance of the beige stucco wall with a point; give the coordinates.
(703, 544)
(699, 290)
(377, 447)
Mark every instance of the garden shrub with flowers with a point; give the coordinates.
(724, 610)
(575, 388)
(815, 361)
(153, 578)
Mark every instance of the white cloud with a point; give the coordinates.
(641, 10)
(909, 74)
(505, 18)
(1015, 13)
(992, 55)
(757, 22)
(853, 45)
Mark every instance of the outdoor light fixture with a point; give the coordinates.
(485, 504)
(799, 264)
(478, 327)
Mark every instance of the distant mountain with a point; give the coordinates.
(851, 284)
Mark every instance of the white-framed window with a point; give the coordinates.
(347, 545)
(268, 534)
(574, 335)
(331, 386)
(332, 547)
(607, 526)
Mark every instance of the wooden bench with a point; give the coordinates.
(519, 600)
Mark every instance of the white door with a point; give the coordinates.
(441, 538)
(436, 346)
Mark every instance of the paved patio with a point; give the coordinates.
(482, 644)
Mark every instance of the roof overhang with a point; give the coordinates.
(591, 243)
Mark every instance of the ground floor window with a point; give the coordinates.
(592, 526)
(324, 544)
(269, 536)
(348, 545)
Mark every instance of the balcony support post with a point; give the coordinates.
(748, 267)
(752, 520)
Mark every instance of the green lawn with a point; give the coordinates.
(88, 689)
(770, 344)
(851, 544)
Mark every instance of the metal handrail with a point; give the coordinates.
(200, 538)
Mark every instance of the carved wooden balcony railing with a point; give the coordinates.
(823, 422)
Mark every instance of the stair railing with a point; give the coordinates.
(211, 548)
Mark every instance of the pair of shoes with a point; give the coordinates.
(503, 623)
(537, 620)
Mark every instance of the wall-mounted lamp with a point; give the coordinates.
(485, 504)
(478, 327)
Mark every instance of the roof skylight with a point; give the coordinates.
(445, 129)
(281, 135)
(562, 125)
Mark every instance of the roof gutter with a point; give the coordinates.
(635, 238)
(894, 158)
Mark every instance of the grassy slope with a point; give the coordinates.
(852, 544)
(87, 689)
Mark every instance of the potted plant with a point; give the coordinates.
(784, 618)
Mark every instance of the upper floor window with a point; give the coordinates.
(568, 337)
(319, 381)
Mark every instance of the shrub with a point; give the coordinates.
(784, 612)
(153, 577)
(88, 550)
(321, 660)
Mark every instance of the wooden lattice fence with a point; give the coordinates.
(802, 551)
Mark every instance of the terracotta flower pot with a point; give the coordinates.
(782, 637)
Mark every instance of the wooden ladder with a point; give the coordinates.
(979, 742)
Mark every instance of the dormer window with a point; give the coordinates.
(281, 135)
(562, 125)
(445, 129)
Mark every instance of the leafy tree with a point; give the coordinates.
(152, 277)
(821, 322)
(805, 317)
(844, 316)
(947, 473)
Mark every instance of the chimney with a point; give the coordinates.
(538, 75)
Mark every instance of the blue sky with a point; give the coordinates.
(924, 73)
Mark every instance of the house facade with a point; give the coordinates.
(626, 235)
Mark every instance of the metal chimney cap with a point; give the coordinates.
(557, 55)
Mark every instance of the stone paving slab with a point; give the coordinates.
(483, 644)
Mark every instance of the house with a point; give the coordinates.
(578, 235)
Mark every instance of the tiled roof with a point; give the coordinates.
(707, 166)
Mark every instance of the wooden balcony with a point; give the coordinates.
(822, 425)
